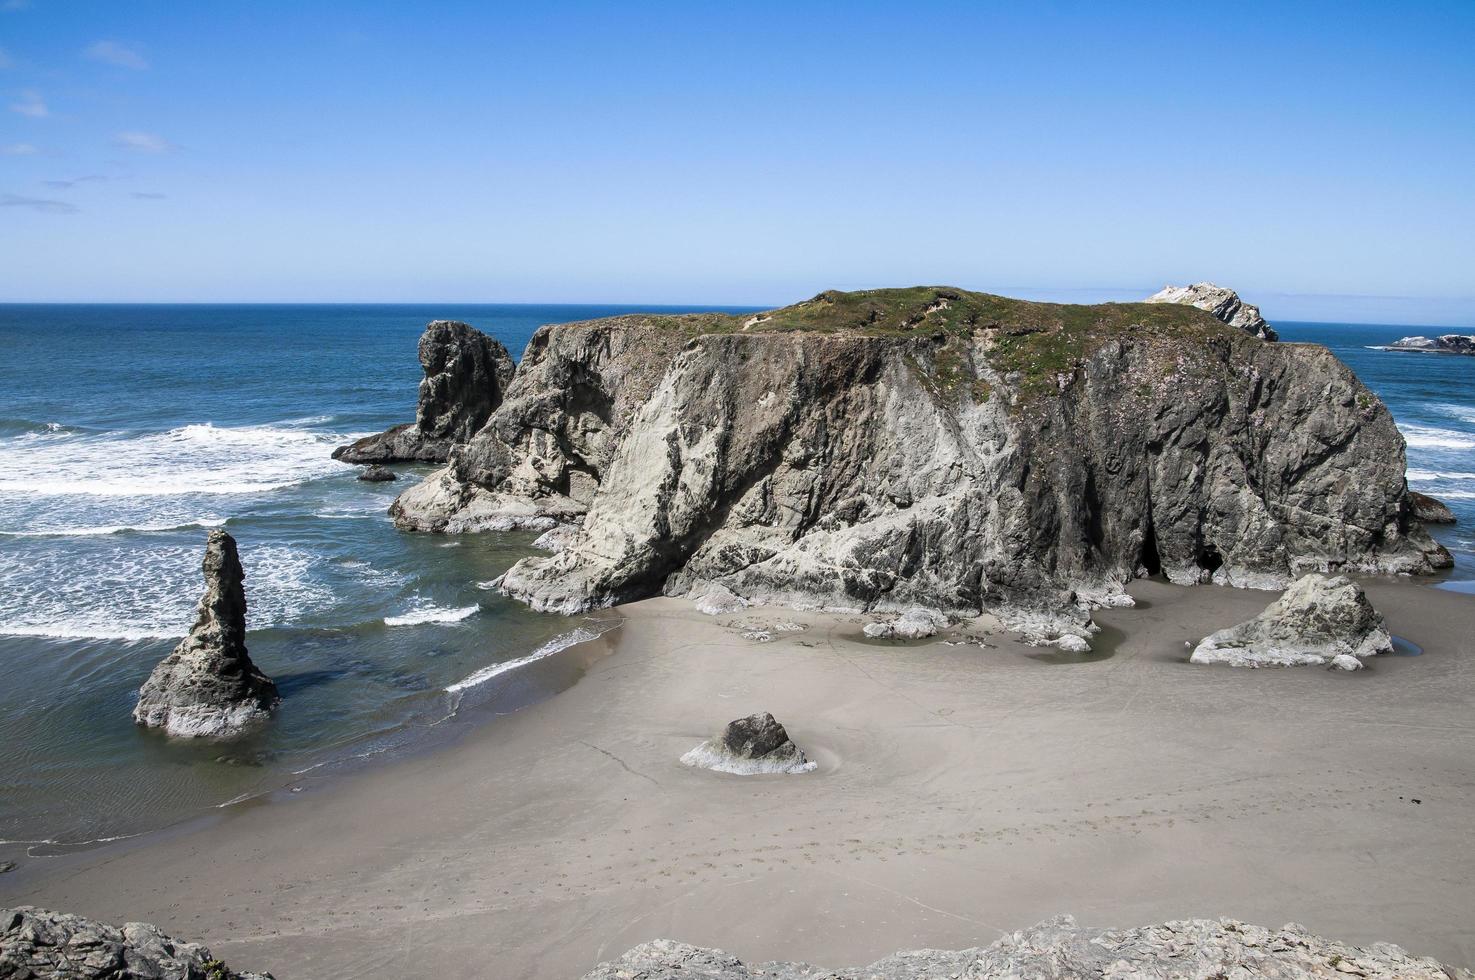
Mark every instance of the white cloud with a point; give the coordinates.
(142, 142)
(31, 104)
(19, 150)
(118, 55)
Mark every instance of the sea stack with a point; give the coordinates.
(1320, 620)
(749, 746)
(466, 373)
(1222, 303)
(208, 686)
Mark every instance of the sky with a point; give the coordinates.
(1319, 158)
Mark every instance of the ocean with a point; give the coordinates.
(127, 431)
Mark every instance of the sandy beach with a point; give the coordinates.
(962, 791)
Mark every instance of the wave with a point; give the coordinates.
(1431, 437)
(555, 645)
(1426, 476)
(432, 614)
(1455, 494)
(11, 428)
(84, 631)
(109, 529)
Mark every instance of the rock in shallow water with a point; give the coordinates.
(748, 746)
(1429, 510)
(377, 474)
(1059, 949)
(1318, 619)
(38, 944)
(208, 685)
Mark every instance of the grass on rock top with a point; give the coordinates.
(1035, 340)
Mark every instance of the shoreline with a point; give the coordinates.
(962, 791)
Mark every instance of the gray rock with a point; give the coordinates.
(6, 866)
(208, 685)
(748, 746)
(1059, 949)
(557, 538)
(377, 474)
(914, 624)
(1450, 343)
(466, 374)
(716, 600)
(1316, 621)
(1429, 510)
(1223, 303)
(38, 944)
(962, 452)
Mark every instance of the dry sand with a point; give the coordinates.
(962, 791)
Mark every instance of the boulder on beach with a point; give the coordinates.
(208, 685)
(1317, 620)
(1429, 510)
(914, 624)
(1060, 948)
(377, 474)
(1223, 303)
(39, 944)
(748, 746)
(717, 599)
(466, 373)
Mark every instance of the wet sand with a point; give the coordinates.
(961, 791)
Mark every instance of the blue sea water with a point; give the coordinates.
(127, 431)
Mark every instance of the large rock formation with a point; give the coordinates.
(1058, 949)
(466, 373)
(1224, 304)
(1429, 510)
(1318, 620)
(1450, 343)
(932, 447)
(208, 685)
(38, 944)
(749, 746)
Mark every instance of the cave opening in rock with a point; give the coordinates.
(1209, 559)
(1149, 558)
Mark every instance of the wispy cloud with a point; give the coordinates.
(6, 61)
(141, 142)
(37, 204)
(31, 104)
(15, 4)
(149, 196)
(19, 150)
(118, 55)
(62, 185)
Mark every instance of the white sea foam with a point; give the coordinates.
(1456, 494)
(555, 645)
(110, 529)
(1431, 437)
(431, 614)
(1428, 476)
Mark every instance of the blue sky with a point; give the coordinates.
(1320, 158)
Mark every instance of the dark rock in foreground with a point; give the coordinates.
(37, 944)
(1058, 949)
(748, 746)
(1429, 510)
(1224, 304)
(377, 474)
(208, 685)
(466, 373)
(1319, 620)
(1450, 343)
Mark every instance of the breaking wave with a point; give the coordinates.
(432, 614)
(1431, 437)
(555, 645)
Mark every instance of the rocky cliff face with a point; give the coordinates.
(466, 373)
(1224, 304)
(209, 685)
(929, 447)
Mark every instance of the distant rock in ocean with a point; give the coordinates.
(749, 746)
(38, 944)
(208, 686)
(1450, 343)
(377, 474)
(1319, 620)
(1223, 303)
(1059, 948)
(1429, 510)
(929, 446)
(466, 373)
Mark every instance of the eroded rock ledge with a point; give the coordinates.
(929, 447)
(1059, 949)
(38, 944)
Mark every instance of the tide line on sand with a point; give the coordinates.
(555, 645)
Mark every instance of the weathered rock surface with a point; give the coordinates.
(717, 600)
(1429, 510)
(377, 474)
(748, 746)
(1450, 343)
(208, 685)
(1315, 621)
(38, 944)
(1224, 304)
(1059, 949)
(466, 374)
(963, 452)
(914, 624)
